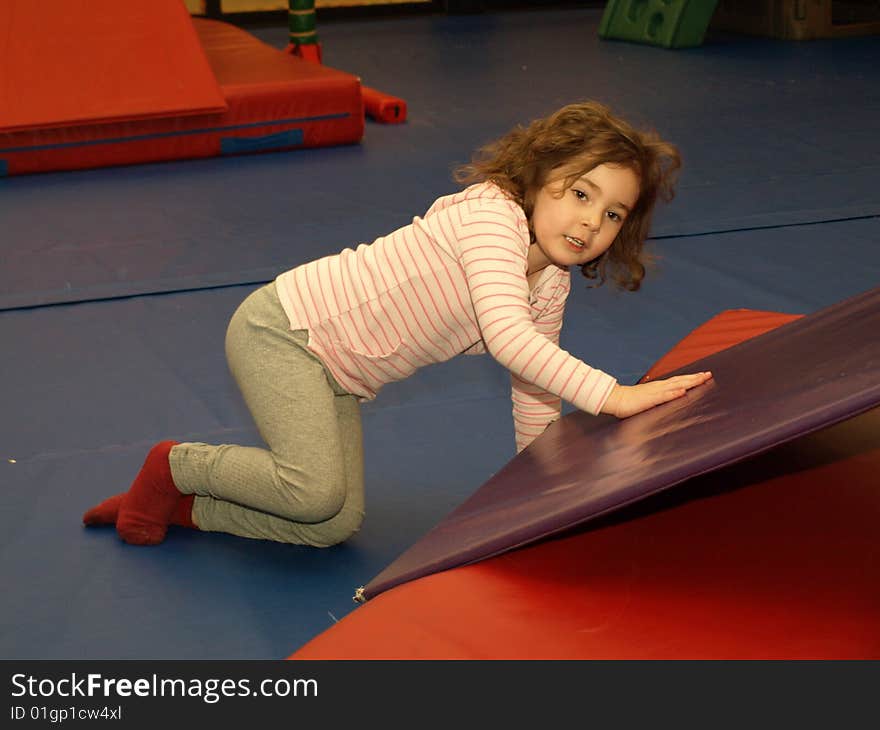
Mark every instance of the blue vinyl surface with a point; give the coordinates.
(116, 286)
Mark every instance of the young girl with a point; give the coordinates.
(485, 270)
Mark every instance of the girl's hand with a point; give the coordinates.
(627, 400)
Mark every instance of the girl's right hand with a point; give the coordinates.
(627, 400)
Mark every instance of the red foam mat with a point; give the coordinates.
(67, 63)
(273, 101)
(719, 333)
(772, 558)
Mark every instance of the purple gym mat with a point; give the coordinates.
(804, 376)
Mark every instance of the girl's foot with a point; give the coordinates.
(107, 512)
(143, 513)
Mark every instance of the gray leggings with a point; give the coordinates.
(308, 486)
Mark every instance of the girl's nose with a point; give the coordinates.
(593, 221)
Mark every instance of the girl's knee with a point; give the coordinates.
(310, 500)
(342, 527)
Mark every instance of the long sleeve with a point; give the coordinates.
(451, 282)
(533, 407)
(494, 244)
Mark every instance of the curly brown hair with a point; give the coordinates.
(579, 137)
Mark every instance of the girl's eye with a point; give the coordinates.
(614, 216)
(580, 194)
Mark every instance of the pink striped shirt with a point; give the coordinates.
(451, 282)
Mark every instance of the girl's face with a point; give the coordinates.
(573, 226)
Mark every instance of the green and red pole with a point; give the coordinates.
(303, 30)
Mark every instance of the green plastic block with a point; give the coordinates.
(667, 23)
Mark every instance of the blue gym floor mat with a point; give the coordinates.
(89, 387)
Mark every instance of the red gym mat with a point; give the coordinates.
(66, 62)
(268, 100)
(775, 557)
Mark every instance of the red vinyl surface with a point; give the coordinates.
(272, 99)
(66, 63)
(772, 558)
(723, 331)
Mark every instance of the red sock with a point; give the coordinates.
(107, 512)
(146, 509)
(104, 513)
